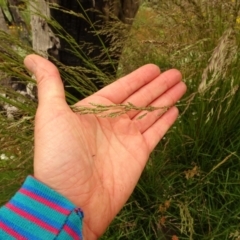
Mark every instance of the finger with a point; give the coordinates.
(50, 86)
(148, 93)
(155, 133)
(165, 101)
(120, 90)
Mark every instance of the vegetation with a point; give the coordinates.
(190, 188)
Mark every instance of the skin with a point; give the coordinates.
(96, 162)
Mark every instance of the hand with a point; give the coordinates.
(96, 162)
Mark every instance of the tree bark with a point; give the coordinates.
(3, 25)
(11, 16)
(92, 32)
(43, 38)
(102, 49)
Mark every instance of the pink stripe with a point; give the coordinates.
(71, 232)
(31, 218)
(11, 232)
(45, 201)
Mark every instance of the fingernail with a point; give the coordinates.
(30, 63)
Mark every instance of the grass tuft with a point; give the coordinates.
(190, 188)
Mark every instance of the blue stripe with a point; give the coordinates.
(43, 191)
(75, 222)
(75, 228)
(19, 230)
(40, 207)
(40, 216)
(4, 235)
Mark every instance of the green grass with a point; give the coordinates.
(195, 170)
(190, 188)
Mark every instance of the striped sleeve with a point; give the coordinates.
(38, 212)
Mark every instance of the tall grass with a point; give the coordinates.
(16, 125)
(190, 188)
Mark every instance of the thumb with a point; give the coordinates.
(50, 86)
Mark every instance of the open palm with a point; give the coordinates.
(96, 162)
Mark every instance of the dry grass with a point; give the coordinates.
(190, 188)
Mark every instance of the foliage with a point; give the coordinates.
(190, 187)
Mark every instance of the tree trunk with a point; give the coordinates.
(3, 24)
(98, 42)
(43, 38)
(12, 23)
(98, 45)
